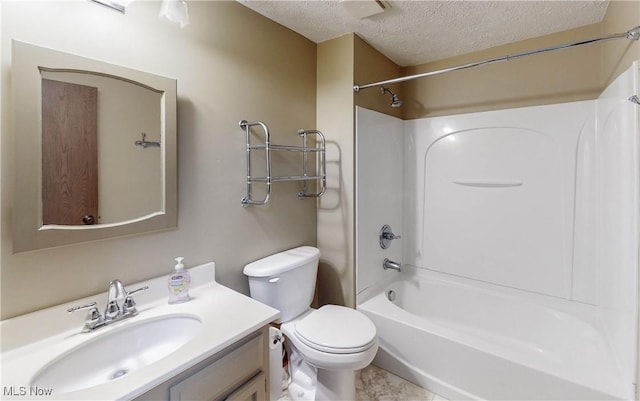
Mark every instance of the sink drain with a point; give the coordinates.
(118, 373)
(391, 295)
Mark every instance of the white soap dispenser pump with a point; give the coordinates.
(178, 284)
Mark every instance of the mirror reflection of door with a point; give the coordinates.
(69, 153)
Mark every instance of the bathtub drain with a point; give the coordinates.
(391, 295)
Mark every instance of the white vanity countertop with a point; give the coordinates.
(31, 341)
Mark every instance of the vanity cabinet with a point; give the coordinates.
(254, 390)
(237, 373)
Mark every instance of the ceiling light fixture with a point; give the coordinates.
(173, 10)
(114, 5)
(364, 8)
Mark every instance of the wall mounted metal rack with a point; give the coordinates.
(268, 147)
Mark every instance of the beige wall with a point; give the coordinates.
(335, 118)
(574, 74)
(230, 64)
(556, 77)
(618, 55)
(341, 62)
(373, 66)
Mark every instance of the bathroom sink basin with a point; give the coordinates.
(117, 353)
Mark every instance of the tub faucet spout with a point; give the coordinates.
(390, 264)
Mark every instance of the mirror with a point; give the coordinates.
(95, 149)
(95, 167)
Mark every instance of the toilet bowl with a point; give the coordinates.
(326, 345)
(333, 337)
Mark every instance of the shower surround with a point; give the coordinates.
(519, 247)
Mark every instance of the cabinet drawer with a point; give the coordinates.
(223, 375)
(254, 390)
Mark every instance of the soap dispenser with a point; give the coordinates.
(178, 284)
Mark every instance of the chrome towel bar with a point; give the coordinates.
(268, 179)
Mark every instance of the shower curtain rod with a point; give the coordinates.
(632, 34)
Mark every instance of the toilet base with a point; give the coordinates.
(309, 383)
(336, 385)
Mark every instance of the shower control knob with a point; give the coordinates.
(386, 236)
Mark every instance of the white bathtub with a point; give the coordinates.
(464, 339)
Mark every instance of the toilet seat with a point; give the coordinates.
(336, 330)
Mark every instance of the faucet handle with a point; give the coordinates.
(386, 236)
(93, 307)
(390, 236)
(93, 317)
(129, 305)
(130, 293)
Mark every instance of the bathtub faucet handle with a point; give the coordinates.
(390, 236)
(386, 236)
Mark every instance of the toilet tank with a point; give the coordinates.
(285, 281)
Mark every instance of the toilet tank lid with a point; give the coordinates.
(282, 262)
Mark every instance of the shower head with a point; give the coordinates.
(395, 100)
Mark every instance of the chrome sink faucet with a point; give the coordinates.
(114, 311)
(116, 292)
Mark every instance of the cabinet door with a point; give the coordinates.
(253, 390)
(223, 375)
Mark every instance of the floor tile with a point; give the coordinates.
(376, 384)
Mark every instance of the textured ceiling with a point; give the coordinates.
(416, 32)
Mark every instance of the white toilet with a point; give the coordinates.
(326, 345)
